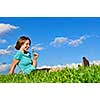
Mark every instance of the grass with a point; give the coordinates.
(67, 75)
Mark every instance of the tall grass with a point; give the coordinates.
(67, 75)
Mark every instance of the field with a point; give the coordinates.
(66, 75)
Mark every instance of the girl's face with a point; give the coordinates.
(26, 45)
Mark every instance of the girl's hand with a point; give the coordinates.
(35, 56)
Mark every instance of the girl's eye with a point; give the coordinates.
(27, 44)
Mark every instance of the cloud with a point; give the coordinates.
(8, 50)
(72, 65)
(38, 47)
(3, 41)
(6, 28)
(4, 68)
(77, 41)
(10, 47)
(95, 62)
(4, 52)
(59, 41)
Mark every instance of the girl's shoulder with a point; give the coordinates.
(18, 55)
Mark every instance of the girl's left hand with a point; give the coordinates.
(36, 55)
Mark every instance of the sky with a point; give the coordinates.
(57, 40)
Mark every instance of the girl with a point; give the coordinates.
(23, 58)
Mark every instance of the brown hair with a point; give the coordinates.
(21, 41)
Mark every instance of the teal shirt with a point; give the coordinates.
(25, 62)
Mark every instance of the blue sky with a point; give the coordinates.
(57, 40)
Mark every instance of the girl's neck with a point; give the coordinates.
(23, 51)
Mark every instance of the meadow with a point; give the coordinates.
(82, 74)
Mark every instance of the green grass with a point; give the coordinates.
(67, 75)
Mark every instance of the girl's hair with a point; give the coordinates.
(21, 41)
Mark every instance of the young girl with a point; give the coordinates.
(23, 58)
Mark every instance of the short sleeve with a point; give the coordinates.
(18, 56)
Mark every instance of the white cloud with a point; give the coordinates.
(95, 62)
(6, 28)
(72, 65)
(77, 41)
(59, 41)
(4, 68)
(8, 50)
(10, 47)
(3, 41)
(38, 47)
(4, 52)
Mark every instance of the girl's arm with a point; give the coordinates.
(13, 65)
(34, 63)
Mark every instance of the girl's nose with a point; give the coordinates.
(28, 46)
